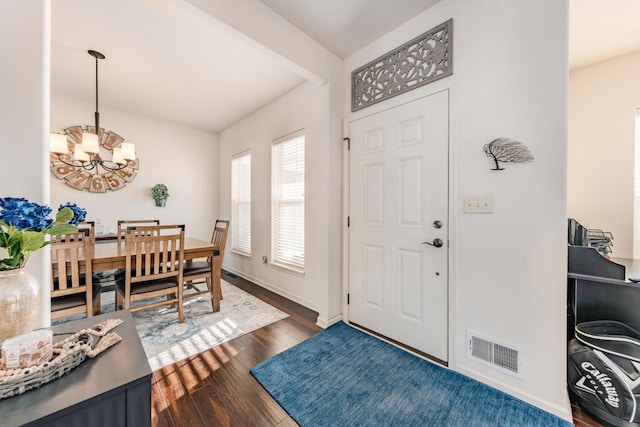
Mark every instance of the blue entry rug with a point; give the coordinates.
(344, 377)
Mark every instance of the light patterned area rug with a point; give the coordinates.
(167, 341)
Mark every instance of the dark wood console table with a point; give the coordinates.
(113, 389)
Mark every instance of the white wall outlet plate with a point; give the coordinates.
(478, 204)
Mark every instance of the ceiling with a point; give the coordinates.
(165, 63)
(601, 30)
(345, 26)
(160, 62)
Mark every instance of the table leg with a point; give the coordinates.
(97, 307)
(216, 292)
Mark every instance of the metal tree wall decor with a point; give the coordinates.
(422, 60)
(508, 151)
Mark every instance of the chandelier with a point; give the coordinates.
(86, 155)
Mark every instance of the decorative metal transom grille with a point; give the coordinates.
(422, 60)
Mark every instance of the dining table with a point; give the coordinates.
(111, 255)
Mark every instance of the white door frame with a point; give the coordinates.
(439, 86)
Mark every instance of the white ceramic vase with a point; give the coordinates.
(19, 302)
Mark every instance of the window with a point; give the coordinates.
(287, 202)
(636, 192)
(241, 204)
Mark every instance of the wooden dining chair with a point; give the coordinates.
(90, 233)
(123, 224)
(98, 278)
(91, 226)
(73, 289)
(198, 274)
(85, 230)
(154, 266)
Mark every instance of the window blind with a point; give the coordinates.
(241, 204)
(287, 202)
(636, 192)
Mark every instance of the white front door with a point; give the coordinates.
(398, 178)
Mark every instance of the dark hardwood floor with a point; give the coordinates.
(215, 388)
(581, 418)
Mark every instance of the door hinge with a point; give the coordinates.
(348, 143)
(348, 296)
(348, 221)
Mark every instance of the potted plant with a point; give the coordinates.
(160, 192)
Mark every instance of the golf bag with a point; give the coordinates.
(604, 371)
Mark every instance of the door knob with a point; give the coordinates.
(436, 242)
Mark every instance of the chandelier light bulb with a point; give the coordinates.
(117, 157)
(80, 155)
(90, 143)
(58, 143)
(128, 151)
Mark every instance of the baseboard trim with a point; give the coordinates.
(325, 323)
(558, 410)
(273, 288)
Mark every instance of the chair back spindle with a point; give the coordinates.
(220, 233)
(123, 224)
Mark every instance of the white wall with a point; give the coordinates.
(299, 109)
(24, 114)
(260, 27)
(508, 269)
(183, 158)
(603, 99)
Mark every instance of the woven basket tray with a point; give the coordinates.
(17, 381)
(67, 354)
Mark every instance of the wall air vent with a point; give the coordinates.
(506, 358)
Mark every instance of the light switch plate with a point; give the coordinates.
(478, 204)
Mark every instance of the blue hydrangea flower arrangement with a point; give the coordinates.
(23, 225)
(79, 214)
